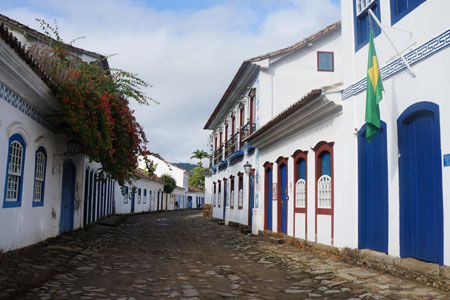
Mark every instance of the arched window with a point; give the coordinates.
(14, 172)
(231, 192)
(324, 181)
(324, 187)
(39, 176)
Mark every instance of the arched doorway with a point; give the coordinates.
(268, 196)
(420, 180)
(282, 194)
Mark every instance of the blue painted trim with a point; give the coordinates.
(18, 203)
(422, 52)
(23, 106)
(235, 156)
(222, 164)
(397, 17)
(39, 203)
(213, 169)
(145, 193)
(247, 146)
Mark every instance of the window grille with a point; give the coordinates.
(362, 5)
(300, 193)
(14, 171)
(39, 176)
(125, 195)
(241, 198)
(324, 191)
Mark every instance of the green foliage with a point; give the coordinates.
(199, 154)
(169, 183)
(196, 178)
(151, 168)
(95, 105)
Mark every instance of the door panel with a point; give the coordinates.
(421, 204)
(373, 191)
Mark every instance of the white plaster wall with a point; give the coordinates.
(289, 79)
(338, 129)
(26, 225)
(163, 167)
(142, 183)
(402, 90)
(235, 215)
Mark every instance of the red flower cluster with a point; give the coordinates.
(97, 115)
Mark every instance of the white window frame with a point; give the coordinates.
(39, 176)
(15, 165)
(300, 193)
(324, 192)
(241, 198)
(139, 196)
(363, 5)
(125, 195)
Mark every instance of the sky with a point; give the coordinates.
(187, 50)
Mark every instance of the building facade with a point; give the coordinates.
(315, 175)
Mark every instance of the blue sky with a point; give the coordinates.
(189, 50)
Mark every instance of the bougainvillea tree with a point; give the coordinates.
(95, 105)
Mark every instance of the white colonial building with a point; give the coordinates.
(180, 194)
(256, 125)
(141, 195)
(401, 203)
(289, 153)
(44, 181)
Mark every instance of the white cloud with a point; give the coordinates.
(188, 57)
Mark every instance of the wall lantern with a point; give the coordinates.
(247, 168)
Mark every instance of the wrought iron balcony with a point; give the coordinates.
(232, 145)
(247, 129)
(218, 156)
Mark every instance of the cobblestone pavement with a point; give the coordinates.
(179, 255)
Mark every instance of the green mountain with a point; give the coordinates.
(186, 166)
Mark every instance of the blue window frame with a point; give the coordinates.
(361, 22)
(400, 8)
(14, 172)
(40, 167)
(145, 193)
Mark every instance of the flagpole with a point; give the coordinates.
(392, 44)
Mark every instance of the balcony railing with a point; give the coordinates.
(218, 157)
(231, 145)
(247, 130)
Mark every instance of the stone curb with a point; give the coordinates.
(430, 274)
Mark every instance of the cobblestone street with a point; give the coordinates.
(179, 255)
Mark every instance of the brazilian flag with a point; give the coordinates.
(373, 92)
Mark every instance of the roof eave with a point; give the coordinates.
(242, 78)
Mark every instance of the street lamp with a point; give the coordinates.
(247, 168)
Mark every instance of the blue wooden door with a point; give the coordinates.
(373, 191)
(67, 197)
(133, 192)
(251, 198)
(224, 198)
(421, 204)
(269, 200)
(283, 198)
